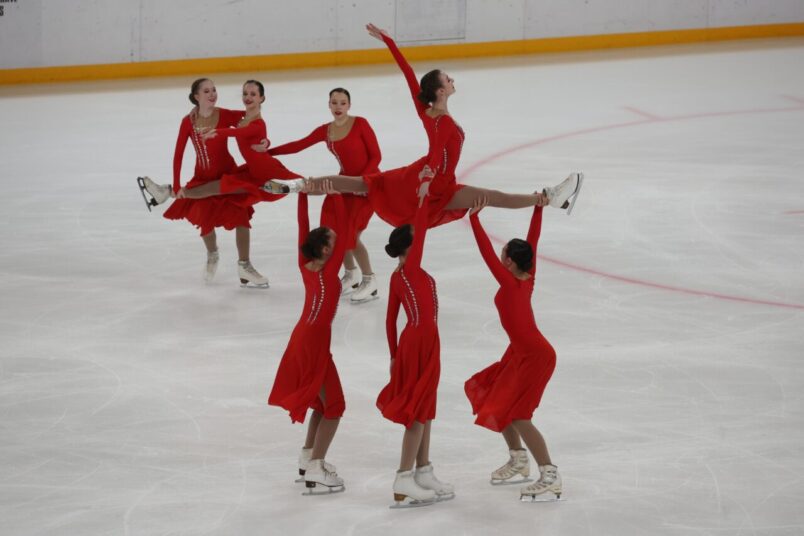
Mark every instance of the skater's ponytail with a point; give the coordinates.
(194, 89)
(317, 240)
(521, 253)
(430, 83)
(400, 240)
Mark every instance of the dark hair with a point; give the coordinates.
(400, 240)
(257, 83)
(194, 89)
(341, 90)
(521, 253)
(317, 240)
(430, 83)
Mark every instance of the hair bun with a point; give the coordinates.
(391, 251)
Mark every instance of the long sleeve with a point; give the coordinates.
(487, 251)
(390, 321)
(181, 143)
(372, 147)
(229, 118)
(251, 130)
(534, 232)
(406, 69)
(316, 136)
(304, 226)
(335, 261)
(416, 250)
(444, 127)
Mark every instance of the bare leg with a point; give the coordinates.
(312, 429)
(243, 240)
(410, 445)
(324, 433)
(349, 260)
(466, 196)
(512, 438)
(423, 456)
(208, 189)
(210, 241)
(361, 255)
(534, 440)
(340, 183)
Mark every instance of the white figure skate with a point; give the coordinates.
(305, 455)
(515, 471)
(321, 481)
(292, 186)
(564, 194)
(367, 291)
(546, 489)
(425, 478)
(409, 494)
(350, 281)
(158, 193)
(211, 266)
(249, 276)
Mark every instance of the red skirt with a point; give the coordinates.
(411, 394)
(512, 388)
(394, 196)
(305, 369)
(227, 211)
(242, 179)
(358, 212)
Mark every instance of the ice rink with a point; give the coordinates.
(133, 395)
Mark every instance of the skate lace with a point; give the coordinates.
(546, 480)
(251, 270)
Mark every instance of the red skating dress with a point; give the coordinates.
(357, 154)
(307, 366)
(512, 388)
(411, 393)
(393, 193)
(212, 160)
(259, 168)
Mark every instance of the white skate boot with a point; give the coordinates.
(275, 186)
(249, 276)
(212, 265)
(546, 489)
(305, 455)
(517, 466)
(321, 481)
(564, 194)
(350, 281)
(425, 478)
(158, 193)
(366, 291)
(407, 493)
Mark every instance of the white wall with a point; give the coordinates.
(37, 33)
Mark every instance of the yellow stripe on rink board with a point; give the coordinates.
(307, 60)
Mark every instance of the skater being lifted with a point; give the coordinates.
(393, 193)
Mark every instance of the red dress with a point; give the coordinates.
(212, 160)
(259, 168)
(307, 366)
(411, 393)
(393, 193)
(357, 154)
(512, 388)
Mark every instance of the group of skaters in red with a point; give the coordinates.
(413, 199)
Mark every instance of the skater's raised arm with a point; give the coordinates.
(487, 251)
(185, 129)
(534, 232)
(304, 226)
(316, 136)
(390, 322)
(406, 69)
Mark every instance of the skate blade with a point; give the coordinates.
(364, 300)
(411, 503)
(574, 196)
(509, 482)
(274, 187)
(444, 497)
(325, 490)
(148, 203)
(348, 291)
(249, 284)
(547, 496)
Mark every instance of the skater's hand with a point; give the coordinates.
(329, 189)
(426, 173)
(541, 200)
(375, 32)
(261, 147)
(480, 203)
(182, 193)
(208, 133)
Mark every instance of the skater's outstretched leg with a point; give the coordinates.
(315, 185)
(208, 189)
(466, 196)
